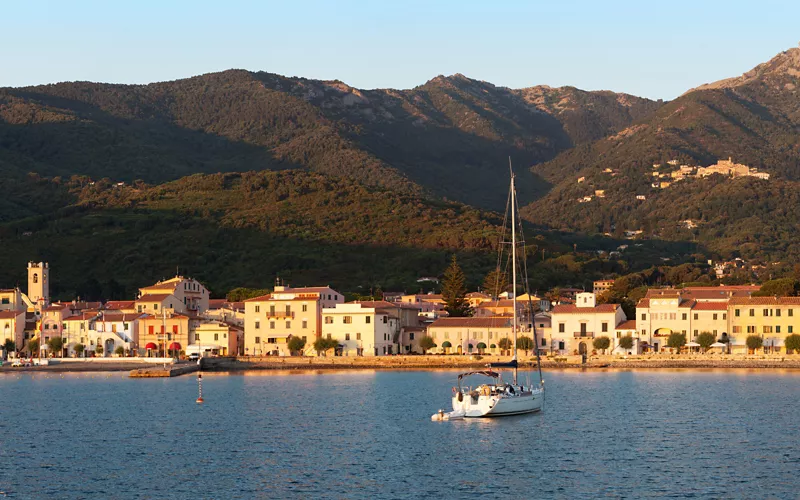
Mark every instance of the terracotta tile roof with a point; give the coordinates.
(477, 295)
(710, 306)
(120, 304)
(471, 323)
(162, 286)
(83, 316)
(687, 304)
(9, 314)
(56, 307)
(643, 303)
(662, 292)
(8, 290)
(500, 303)
(764, 301)
(376, 304)
(573, 309)
(751, 288)
(118, 317)
(153, 297)
(173, 316)
(627, 325)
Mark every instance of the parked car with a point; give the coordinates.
(20, 362)
(193, 356)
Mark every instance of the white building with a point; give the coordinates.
(575, 326)
(360, 330)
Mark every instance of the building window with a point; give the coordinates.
(715, 316)
(305, 324)
(777, 312)
(358, 336)
(197, 337)
(411, 336)
(604, 327)
(369, 319)
(752, 312)
(288, 324)
(258, 325)
(175, 329)
(271, 340)
(347, 320)
(673, 316)
(724, 316)
(385, 319)
(751, 329)
(695, 333)
(271, 325)
(561, 327)
(695, 316)
(736, 312)
(767, 329)
(258, 309)
(347, 336)
(790, 328)
(288, 310)
(328, 320)
(125, 326)
(766, 312)
(329, 336)
(151, 329)
(778, 329)
(791, 312)
(644, 316)
(272, 310)
(684, 332)
(258, 340)
(216, 336)
(737, 329)
(683, 316)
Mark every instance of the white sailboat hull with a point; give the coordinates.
(499, 405)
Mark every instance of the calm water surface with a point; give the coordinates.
(703, 434)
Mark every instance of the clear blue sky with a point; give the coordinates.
(653, 49)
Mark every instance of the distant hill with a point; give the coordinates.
(447, 138)
(755, 119)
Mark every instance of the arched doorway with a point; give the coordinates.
(108, 348)
(582, 348)
(662, 332)
(460, 349)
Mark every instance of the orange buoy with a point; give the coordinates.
(199, 399)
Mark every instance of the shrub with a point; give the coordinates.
(322, 344)
(426, 343)
(792, 342)
(676, 340)
(296, 344)
(626, 342)
(754, 342)
(525, 343)
(56, 344)
(119, 351)
(79, 348)
(705, 339)
(601, 343)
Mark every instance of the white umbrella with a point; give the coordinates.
(692, 344)
(718, 344)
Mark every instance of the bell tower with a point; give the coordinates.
(39, 283)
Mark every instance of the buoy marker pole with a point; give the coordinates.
(199, 388)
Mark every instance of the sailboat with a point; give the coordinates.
(497, 397)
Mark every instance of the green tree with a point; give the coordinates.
(454, 291)
(525, 343)
(792, 342)
(56, 345)
(323, 344)
(784, 287)
(626, 342)
(119, 351)
(754, 342)
(426, 343)
(241, 293)
(79, 348)
(705, 339)
(9, 346)
(601, 343)
(33, 347)
(495, 283)
(296, 345)
(505, 344)
(676, 340)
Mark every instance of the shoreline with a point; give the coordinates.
(425, 363)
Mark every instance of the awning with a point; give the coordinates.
(493, 346)
(174, 346)
(151, 345)
(447, 343)
(481, 345)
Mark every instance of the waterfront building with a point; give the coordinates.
(12, 324)
(575, 326)
(166, 327)
(225, 311)
(771, 318)
(469, 335)
(624, 329)
(269, 320)
(114, 330)
(11, 299)
(78, 329)
(428, 303)
(362, 329)
(178, 294)
(217, 338)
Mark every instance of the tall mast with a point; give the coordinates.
(514, 262)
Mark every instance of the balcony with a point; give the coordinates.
(579, 335)
(280, 314)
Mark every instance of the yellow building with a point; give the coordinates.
(154, 331)
(216, 338)
(179, 294)
(12, 324)
(271, 319)
(771, 318)
(362, 329)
